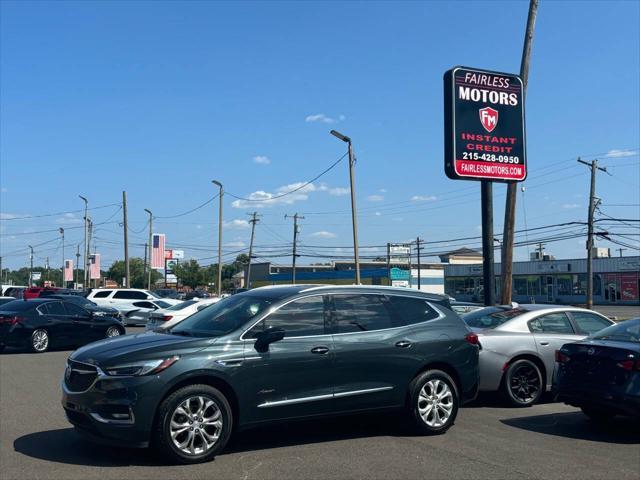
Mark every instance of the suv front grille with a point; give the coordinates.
(78, 377)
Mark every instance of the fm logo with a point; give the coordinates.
(488, 118)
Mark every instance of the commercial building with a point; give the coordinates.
(615, 280)
(343, 273)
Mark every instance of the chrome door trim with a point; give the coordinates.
(293, 401)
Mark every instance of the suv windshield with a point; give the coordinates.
(491, 317)
(627, 331)
(224, 316)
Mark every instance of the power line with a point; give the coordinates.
(59, 213)
(192, 210)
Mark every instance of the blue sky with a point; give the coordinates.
(158, 98)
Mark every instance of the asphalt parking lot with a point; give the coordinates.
(550, 441)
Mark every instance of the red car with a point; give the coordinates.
(34, 292)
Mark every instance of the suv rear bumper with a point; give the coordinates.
(584, 397)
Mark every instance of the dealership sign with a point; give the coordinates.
(484, 125)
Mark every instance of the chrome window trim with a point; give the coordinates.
(440, 316)
(328, 396)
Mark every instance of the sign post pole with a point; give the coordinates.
(486, 189)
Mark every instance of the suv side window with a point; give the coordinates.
(589, 323)
(55, 308)
(362, 313)
(300, 318)
(75, 310)
(551, 323)
(130, 295)
(102, 294)
(410, 310)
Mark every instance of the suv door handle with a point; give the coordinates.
(544, 343)
(319, 350)
(403, 344)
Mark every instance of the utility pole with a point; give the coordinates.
(31, 266)
(144, 274)
(540, 250)
(77, 266)
(125, 224)
(593, 165)
(418, 248)
(512, 187)
(352, 185)
(62, 282)
(150, 246)
(253, 221)
(621, 250)
(85, 251)
(295, 217)
(220, 195)
(46, 267)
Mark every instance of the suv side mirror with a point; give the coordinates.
(268, 336)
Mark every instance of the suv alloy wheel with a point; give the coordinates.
(434, 402)
(194, 424)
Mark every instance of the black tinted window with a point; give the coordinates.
(627, 331)
(361, 313)
(589, 323)
(130, 295)
(55, 308)
(75, 310)
(16, 306)
(410, 310)
(490, 317)
(144, 305)
(551, 323)
(302, 317)
(102, 294)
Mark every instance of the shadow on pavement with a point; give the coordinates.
(576, 425)
(67, 446)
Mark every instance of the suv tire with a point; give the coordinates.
(196, 418)
(433, 402)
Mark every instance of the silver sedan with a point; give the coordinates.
(518, 345)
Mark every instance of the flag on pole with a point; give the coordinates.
(94, 268)
(157, 251)
(68, 270)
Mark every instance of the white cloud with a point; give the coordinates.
(4, 190)
(375, 198)
(7, 216)
(199, 227)
(234, 244)
(569, 206)
(261, 160)
(621, 153)
(383, 190)
(281, 196)
(323, 234)
(322, 118)
(339, 191)
(378, 214)
(236, 223)
(69, 219)
(424, 198)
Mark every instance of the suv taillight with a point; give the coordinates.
(11, 320)
(629, 365)
(166, 318)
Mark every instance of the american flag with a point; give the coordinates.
(68, 270)
(94, 270)
(157, 252)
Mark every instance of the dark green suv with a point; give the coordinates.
(272, 354)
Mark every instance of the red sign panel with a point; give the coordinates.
(484, 125)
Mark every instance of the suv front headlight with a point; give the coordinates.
(148, 367)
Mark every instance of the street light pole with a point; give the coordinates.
(219, 281)
(150, 247)
(85, 253)
(62, 283)
(354, 220)
(31, 267)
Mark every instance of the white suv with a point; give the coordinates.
(124, 298)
